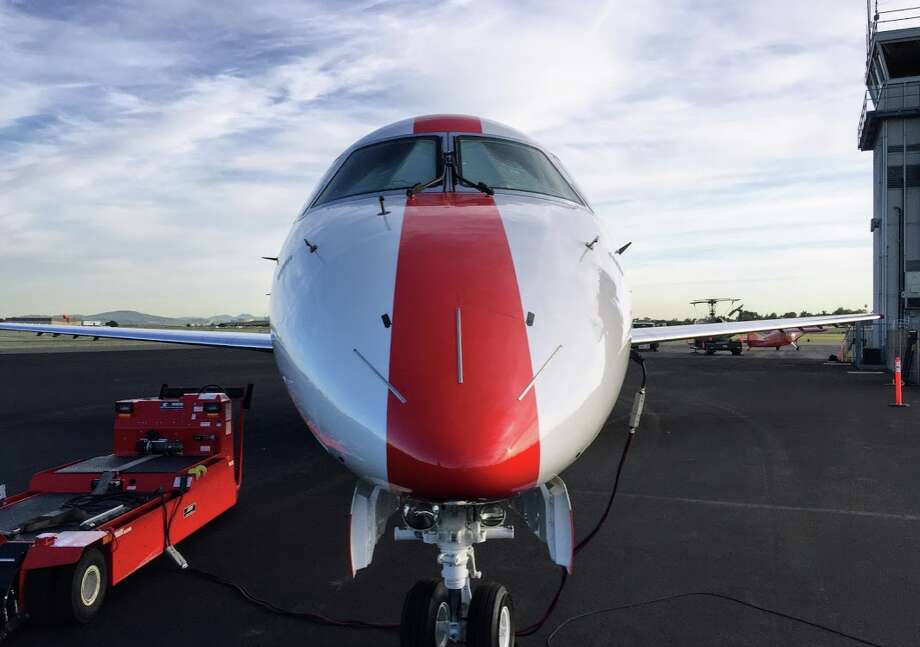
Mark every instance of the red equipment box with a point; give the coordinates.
(200, 422)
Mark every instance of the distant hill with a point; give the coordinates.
(134, 318)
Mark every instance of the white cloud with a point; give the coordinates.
(148, 155)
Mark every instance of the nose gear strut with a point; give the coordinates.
(459, 527)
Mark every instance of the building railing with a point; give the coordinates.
(891, 98)
(902, 14)
(898, 14)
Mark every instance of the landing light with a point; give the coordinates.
(492, 515)
(421, 516)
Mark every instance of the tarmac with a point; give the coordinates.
(771, 477)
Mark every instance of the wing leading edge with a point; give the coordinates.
(263, 341)
(247, 340)
(691, 331)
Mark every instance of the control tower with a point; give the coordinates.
(890, 127)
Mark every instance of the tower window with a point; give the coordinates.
(903, 58)
(896, 176)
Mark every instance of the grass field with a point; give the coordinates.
(829, 337)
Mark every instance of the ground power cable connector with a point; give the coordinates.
(635, 416)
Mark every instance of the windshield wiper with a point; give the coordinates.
(449, 163)
(482, 186)
(421, 186)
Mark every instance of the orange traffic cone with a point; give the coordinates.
(898, 383)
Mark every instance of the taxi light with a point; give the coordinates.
(421, 515)
(492, 515)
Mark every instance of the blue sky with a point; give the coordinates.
(150, 153)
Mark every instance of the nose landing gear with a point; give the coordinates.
(446, 611)
(436, 613)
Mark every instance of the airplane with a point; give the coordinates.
(775, 339)
(451, 319)
(782, 337)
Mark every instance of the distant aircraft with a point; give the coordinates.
(775, 339)
(784, 336)
(452, 323)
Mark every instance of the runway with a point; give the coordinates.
(770, 477)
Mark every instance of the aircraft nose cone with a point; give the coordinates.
(459, 356)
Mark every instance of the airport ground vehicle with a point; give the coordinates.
(83, 527)
(710, 345)
(650, 346)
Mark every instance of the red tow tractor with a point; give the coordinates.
(85, 526)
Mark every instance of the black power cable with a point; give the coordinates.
(316, 618)
(719, 596)
(536, 626)
(633, 425)
(527, 631)
(531, 629)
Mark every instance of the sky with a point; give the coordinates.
(150, 153)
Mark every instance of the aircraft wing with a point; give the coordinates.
(248, 340)
(691, 331)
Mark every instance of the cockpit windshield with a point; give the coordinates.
(502, 164)
(396, 164)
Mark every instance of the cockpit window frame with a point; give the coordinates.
(439, 167)
(458, 152)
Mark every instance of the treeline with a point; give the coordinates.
(748, 315)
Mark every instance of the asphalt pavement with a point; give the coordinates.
(770, 477)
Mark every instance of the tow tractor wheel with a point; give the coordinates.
(80, 589)
(88, 585)
(490, 621)
(69, 593)
(425, 616)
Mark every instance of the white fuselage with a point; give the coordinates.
(507, 343)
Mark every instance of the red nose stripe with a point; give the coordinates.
(451, 440)
(447, 123)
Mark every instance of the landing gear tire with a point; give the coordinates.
(490, 621)
(736, 351)
(425, 618)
